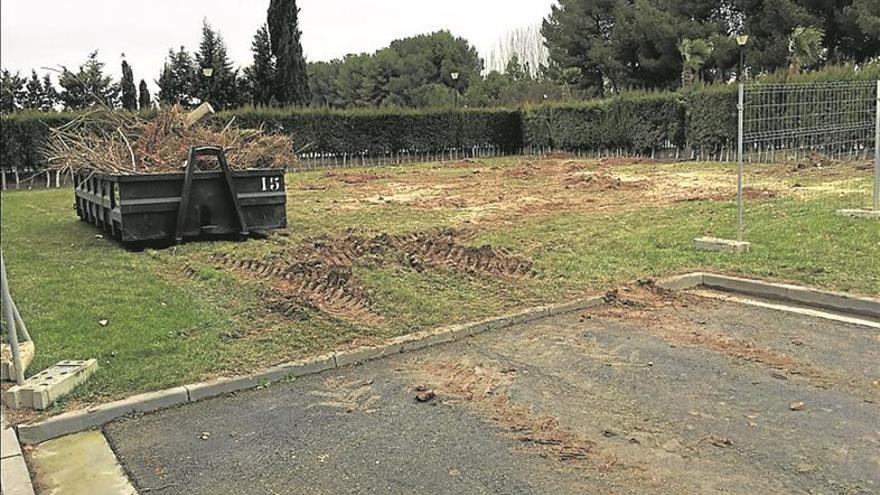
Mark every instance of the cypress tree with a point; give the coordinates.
(145, 101)
(129, 94)
(292, 80)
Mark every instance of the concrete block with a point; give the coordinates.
(221, 386)
(14, 477)
(9, 444)
(7, 370)
(681, 282)
(44, 388)
(868, 214)
(365, 354)
(721, 245)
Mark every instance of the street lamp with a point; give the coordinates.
(454, 76)
(741, 40)
(207, 71)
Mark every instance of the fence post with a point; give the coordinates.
(877, 151)
(9, 314)
(739, 164)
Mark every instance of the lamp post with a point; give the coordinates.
(208, 72)
(741, 40)
(454, 76)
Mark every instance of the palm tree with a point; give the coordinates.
(804, 47)
(694, 55)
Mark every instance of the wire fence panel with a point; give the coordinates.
(792, 121)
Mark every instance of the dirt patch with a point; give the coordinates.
(331, 289)
(617, 161)
(442, 250)
(749, 193)
(644, 302)
(599, 182)
(318, 274)
(482, 387)
(353, 177)
(347, 397)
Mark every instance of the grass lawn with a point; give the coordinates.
(176, 316)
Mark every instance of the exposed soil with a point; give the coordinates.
(331, 289)
(643, 302)
(482, 387)
(749, 193)
(353, 177)
(599, 182)
(318, 273)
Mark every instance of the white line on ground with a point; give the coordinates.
(788, 308)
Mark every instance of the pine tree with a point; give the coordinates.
(88, 86)
(220, 87)
(261, 75)
(50, 94)
(34, 93)
(145, 101)
(292, 79)
(11, 91)
(177, 78)
(129, 93)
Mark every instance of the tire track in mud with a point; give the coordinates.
(318, 273)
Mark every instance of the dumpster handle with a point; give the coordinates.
(194, 153)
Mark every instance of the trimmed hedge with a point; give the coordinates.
(23, 136)
(639, 122)
(703, 118)
(383, 132)
(710, 118)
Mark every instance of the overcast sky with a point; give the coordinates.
(48, 33)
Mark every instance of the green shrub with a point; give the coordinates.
(639, 122)
(386, 131)
(23, 136)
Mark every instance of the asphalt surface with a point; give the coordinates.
(662, 401)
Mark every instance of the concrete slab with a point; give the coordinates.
(14, 477)
(868, 214)
(80, 464)
(721, 245)
(44, 388)
(9, 443)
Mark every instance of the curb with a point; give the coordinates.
(835, 301)
(97, 416)
(15, 479)
(74, 421)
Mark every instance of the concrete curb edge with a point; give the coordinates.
(97, 416)
(15, 479)
(74, 421)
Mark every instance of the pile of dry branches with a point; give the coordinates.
(112, 142)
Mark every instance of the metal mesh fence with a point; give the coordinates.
(796, 121)
(791, 121)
